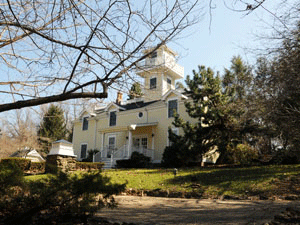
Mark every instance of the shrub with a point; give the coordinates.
(37, 166)
(175, 156)
(243, 154)
(284, 158)
(23, 164)
(137, 160)
(58, 199)
(89, 165)
(10, 176)
(91, 153)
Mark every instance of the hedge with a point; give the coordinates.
(89, 165)
(37, 166)
(23, 164)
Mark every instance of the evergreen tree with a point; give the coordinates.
(237, 81)
(213, 127)
(135, 91)
(53, 126)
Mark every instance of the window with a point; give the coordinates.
(144, 143)
(113, 118)
(172, 108)
(141, 114)
(153, 55)
(169, 82)
(175, 131)
(83, 151)
(153, 83)
(85, 123)
(111, 143)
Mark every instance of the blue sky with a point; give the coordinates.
(229, 34)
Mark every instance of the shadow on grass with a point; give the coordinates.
(238, 180)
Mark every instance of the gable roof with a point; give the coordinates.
(175, 93)
(63, 141)
(120, 107)
(27, 153)
(85, 111)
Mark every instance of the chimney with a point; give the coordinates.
(119, 98)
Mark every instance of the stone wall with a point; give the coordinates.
(62, 163)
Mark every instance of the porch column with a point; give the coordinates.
(102, 140)
(152, 144)
(129, 142)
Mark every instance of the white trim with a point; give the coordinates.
(83, 123)
(89, 114)
(95, 133)
(112, 135)
(169, 86)
(174, 92)
(162, 82)
(86, 154)
(138, 116)
(140, 136)
(113, 104)
(109, 118)
(151, 77)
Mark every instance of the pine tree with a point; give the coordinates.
(53, 126)
(237, 80)
(208, 107)
(135, 91)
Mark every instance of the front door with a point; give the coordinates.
(140, 143)
(111, 145)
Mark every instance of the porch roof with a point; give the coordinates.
(126, 128)
(146, 124)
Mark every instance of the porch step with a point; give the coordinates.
(107, 164)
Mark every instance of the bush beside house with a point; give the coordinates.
(137, 160)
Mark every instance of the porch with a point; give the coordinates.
(110, 156)
(136, 138)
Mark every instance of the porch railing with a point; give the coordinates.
(121, 153)
(145, 151)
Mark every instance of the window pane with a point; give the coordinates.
(83, 151)
(111, 143)
(144, 142)
(112, 119)
(85, 123)
(172, 107)
(153, 83)
(169, 81)
(153, 54)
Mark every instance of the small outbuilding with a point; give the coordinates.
(28, 153)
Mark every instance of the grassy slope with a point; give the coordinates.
(211, 182)
(266, 180)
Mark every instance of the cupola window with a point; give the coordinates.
(153, 83)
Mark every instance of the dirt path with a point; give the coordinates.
(150, 210)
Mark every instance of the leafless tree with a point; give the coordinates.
(20, 132)
(59, 50)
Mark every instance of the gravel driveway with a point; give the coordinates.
(153, 210)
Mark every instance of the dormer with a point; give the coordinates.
(160, 72)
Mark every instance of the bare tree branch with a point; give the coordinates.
(60, 50)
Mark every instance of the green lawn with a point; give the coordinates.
(265, 180)
(210, 182)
